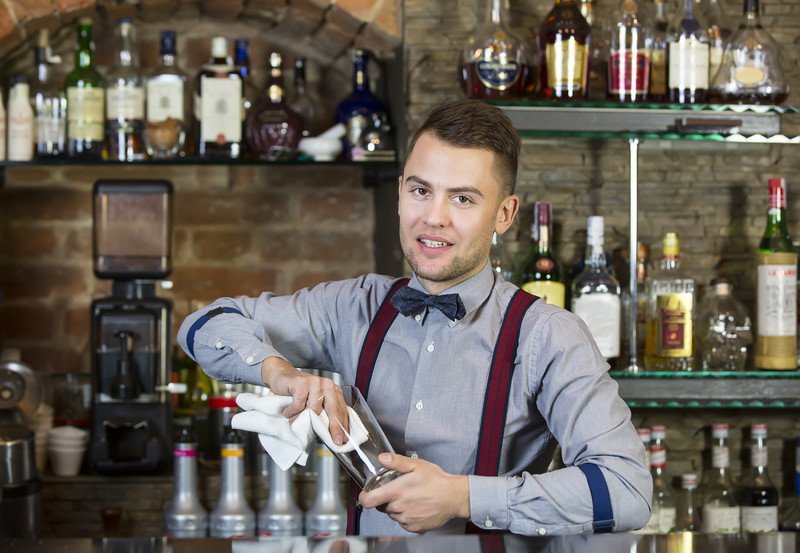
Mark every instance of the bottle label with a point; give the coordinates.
(720, 457)
(185, 453)
(721, 520)
(777, 294)
(628, 71)
(550, 291)
(688, 64)
(20, 130)
(51, 126)
(749, 76)
(674, 325)
(125, 103)
(220, 110)
(758, 456)
(232, 452)
(602, 314)
(85, 113)
(714, 59)
(658, 456)
(566, 65)
(658, 72)
(498, 73)
(662, 520)
(164, 101)
(759, 519)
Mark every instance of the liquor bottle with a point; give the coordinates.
(686, 517)
(306, 102)
(687, 57)
(790, 521)
(776, 291)
(167, 101)
(495, 62)
(49, 103)
(719, 32)
(645, 437)
(20, 121)
(565, 44)
(185, 516)
(750, 71)
(232, 517)
(218, 105)
(280, 516)
(669, 344)
(658, 58)
(2, 128)
(85, 99)
(721, 513)
(358, 110)
(596, 294)
(500, 259)
(759, 497)
(540, 273)
(642, 272)
(724, 330)
(241, 62)
(125, 99)
(587, 11)
(662, 516)
(273, 129)
(630, 42)
(327, 515)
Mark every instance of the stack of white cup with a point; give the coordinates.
(40, 425)
(66, 446)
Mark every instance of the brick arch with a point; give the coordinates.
(326, 28)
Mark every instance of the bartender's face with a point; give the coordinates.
(450, 203)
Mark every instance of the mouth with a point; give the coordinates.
(433, 244)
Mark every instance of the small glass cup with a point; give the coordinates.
(362, 463)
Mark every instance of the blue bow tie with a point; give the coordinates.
(409, 302)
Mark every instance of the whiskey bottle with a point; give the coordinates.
(776, 291)
(721, 513)
(495, 62)
(167, 100)
(658, 58)
(218, 105)
(49, 103)
(596, 294)
(85, 99)
(669, 344)
(20, 121)
(750, 71)
(306, 101)
(630, 43)
(719, 33)
(688, 57)
(565, 45)
(540, 273)
(273, 129)
(759, 497)
(125, 99)
(724, 330)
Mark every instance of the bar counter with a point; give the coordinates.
(686, 542)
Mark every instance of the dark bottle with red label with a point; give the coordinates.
(541, 272)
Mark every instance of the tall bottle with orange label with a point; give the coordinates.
(540, 274)
(232, 517)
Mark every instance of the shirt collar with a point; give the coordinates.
(473, 291)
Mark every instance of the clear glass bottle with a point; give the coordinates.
(49, 103)
(167, 100)
(663, 514)
(630, 42)
(750, 71)
(658, 58)
(20, 120)
(723, 330)
(596, 293)
(759, 497)
(669, 343)
(687, 57)
(501, 260)
(540, 272)
(687, 518)
(495, 62)
(720, 30)
(125, 99)
(645, 437)
(565, 42)
(273, 129)
(85, 100)
(218, 105)
(306, 102)
(721, 513)
(790, 520)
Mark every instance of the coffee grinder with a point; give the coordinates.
(131, 330)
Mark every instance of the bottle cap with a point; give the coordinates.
(168, 42)
(777, 193)
(721, 287)
(85, 21)
(658, 432)
(689, 481)
(241, 43)
(671, 245)
(644, 435)
(758, 430)
(219, 47)
(719, 431)
(642, 251)
(275, 60)
(595, 230)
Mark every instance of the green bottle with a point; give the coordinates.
(776, 236)
(540, 273)
(85, 100)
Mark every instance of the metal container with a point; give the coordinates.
(185, 516)
(20, 486)
(280, 516)
(327, 516)
(232, 516)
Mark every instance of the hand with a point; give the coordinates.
(308, 392)
(424, 498)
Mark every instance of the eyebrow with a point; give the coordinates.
(455, 190)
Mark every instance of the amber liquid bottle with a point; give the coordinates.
(565, 45)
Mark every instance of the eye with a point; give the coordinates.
(419, 191)
(462, 199)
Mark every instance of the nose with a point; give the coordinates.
(437, 214)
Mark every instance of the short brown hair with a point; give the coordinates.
(473, 124)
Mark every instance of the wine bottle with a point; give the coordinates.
(688, 57)
(776, 291)
(721, 513)
(541, 272)
(759, 497)
(85, 99)
(565, 46)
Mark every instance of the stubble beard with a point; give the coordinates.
(459, 267)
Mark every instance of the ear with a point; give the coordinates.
(506, 213)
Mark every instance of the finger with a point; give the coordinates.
(336, 408)
(397, 462)
(376, 498)
(316, 396)
(299, 399)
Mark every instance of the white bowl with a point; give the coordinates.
(66, 462)
(321, 149)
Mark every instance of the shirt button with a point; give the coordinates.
(488, 523)
(542, 531)
(418, 317)
(249, 359)
(219, 344)
(430, 347)
(418, 406)
(414, 455)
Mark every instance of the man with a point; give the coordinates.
(475, 391)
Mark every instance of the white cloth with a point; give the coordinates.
(288, 443)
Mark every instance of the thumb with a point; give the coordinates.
(397, 462)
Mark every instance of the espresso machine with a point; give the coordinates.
(131, 329)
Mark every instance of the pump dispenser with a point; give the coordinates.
(232, 517)
(185, 516)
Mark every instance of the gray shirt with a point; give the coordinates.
(428, 387)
